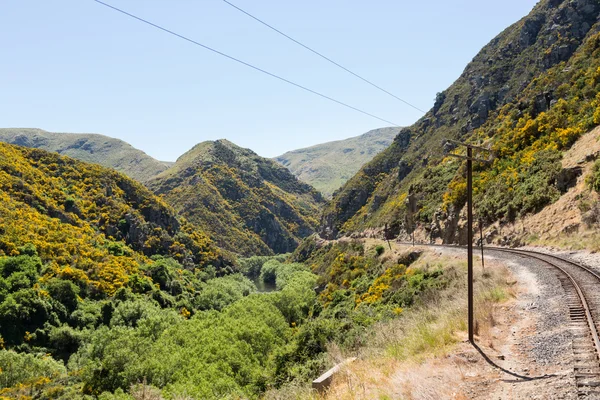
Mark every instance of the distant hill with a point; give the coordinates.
(93, 148)
(247, 204)
(329, 165)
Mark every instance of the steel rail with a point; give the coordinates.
(585, 386)
(582, 298)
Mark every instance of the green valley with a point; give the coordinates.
(103, 290)
(227, 275)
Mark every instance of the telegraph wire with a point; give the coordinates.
(243, 62)
(322, 56)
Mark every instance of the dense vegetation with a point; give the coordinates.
(90, 223)
(529, 94)
(98, 149)
(328, 166)
(247, 204)
(105, 294)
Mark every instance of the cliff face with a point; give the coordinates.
(247, 204)
(529, 94)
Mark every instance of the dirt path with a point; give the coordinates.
(526, 355)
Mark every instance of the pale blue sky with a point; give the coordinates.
(76, 66)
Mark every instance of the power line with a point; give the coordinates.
(244, 63)
(322, 56)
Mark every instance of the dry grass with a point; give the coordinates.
(588, 239)
(143, 391)
(403, 356)
(401, 359)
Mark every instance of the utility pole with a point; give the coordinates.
(470, 239)
(470, 160)
(387, 236)
(481, 241)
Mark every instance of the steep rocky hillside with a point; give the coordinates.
(91, 224)
(529, 95)
(328, 166)
(98, 149)
(247, 204)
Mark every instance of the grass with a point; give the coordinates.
(428, 331)
(431, 328)
(588, 240)
(423, 335)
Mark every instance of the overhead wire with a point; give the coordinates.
(243, 62)
(321, 55)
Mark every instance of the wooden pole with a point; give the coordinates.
(470, 160)
(481, 241)
(470, 241)
(387, 235)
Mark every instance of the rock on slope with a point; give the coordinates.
(99, 149)
(530, 93)
(247, 204)
(328, 166)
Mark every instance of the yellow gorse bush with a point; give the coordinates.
(74, 214)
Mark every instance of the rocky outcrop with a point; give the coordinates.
(567, 178)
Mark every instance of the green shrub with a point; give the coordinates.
(268, 272)
(21, 368)
(218, 293)
(593, 179)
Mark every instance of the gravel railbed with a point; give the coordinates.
(547, 348)
(550, 344)
(587, 258)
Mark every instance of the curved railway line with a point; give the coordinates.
(582, 289)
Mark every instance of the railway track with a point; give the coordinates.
(582, 288)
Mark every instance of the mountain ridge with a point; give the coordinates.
(517, 95)
(248, 204)
(89, 147)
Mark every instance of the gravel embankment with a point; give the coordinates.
(539, 343)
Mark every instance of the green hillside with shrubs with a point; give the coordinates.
(247, 204)
(93, 148)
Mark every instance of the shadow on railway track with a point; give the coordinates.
(506, 371)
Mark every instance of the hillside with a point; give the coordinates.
(85, 229)
(95, 222)
(102, 288)
(328, 166)
(529, 94)
(247, 204)
(93, 148)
